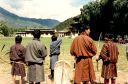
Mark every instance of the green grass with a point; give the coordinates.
(65, 53)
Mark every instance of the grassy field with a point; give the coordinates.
(65, 55)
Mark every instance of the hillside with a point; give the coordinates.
(64, 25)
(13, 20)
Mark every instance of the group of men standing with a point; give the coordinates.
(82, 47)
(33, 56)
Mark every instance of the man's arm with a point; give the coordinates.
(59, 41)
(103, 53)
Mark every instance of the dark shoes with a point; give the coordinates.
(51, 77)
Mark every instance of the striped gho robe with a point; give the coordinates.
(17, 58)
(109, 55)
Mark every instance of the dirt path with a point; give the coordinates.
(5, 78)
(121, 79)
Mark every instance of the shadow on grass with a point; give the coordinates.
(24, 82)
(126, 83)
(99, 83)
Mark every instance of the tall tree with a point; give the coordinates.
(4, 29)
(106, 16)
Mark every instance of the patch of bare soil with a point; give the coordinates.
(121, 79)
(5, 78)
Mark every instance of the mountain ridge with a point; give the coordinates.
(14, 20)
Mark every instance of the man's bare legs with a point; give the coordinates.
(14, 79)
(21, 80)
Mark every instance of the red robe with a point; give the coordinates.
(83, 48)
(109, 55)
(17, 58)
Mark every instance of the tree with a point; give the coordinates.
(4, 29)
(91, 15)
(75, 25)
(104, 16)
(121, 16)
(100, 14)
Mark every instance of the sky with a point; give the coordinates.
(44, 9)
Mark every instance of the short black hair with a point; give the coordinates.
(54, 38)
(36, 33)
(109, 35)
(83, 28)
(18, 39)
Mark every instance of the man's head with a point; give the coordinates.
(85, 29)
(18, 39)
(108, 37)
(54, 38)
(36, 34)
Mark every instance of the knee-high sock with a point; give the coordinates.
(106, 81)
(77, 83)
(113, 81)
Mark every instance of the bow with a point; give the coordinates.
(98, 50)
(2, 47)
(3, 61)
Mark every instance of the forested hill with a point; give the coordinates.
(103, 16)
(64, 25)
(13, 20)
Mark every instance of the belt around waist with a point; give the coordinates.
(84, 57)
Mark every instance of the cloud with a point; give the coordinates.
(45, 9)
(16, 4)
(77, 3)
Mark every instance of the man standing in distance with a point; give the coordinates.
(83, 48)
(35, 55)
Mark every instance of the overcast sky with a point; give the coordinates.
(44, 9)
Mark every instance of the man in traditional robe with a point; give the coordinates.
(127, 49)
(109, 55)
(83, 48)
(17, 58)
(35, 55)
(54, 52)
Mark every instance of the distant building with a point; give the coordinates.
(63, 33)
(44, 33)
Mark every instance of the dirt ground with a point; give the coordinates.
(5, 78)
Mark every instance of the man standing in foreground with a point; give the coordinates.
(83, 48)
(109, 55)
(35, 55)
(17, 58)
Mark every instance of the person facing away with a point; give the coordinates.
(17, 59)
(83, 48)
(54, 52)
(127, 49)
(109, 55)
(35, 55)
